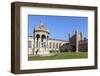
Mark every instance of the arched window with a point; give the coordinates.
(37, 37)
(53, 45)
(43, 43)
(59, 45)
(56, 45)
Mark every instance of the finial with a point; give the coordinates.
(41, 23)
(76, 31)
(70, 34)
(81, 35)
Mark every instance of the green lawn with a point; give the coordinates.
(64, 55)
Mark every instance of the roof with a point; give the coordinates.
(41, 27)
(58, 39)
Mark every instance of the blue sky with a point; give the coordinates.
(59, 26)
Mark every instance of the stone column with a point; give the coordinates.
(70, 44)
(40, 42)
(77, 41)
(32, 46)
(39, 45)
(47, 42)
(43, 46)
(35, 41)
(35, 45)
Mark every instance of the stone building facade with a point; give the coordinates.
(77, 43)
(41, 44)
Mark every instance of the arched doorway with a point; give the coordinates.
(37, 38)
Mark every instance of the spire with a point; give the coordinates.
(70, 34)
(77, 41)
(41, 27)
(76, 31)
(81, 35)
